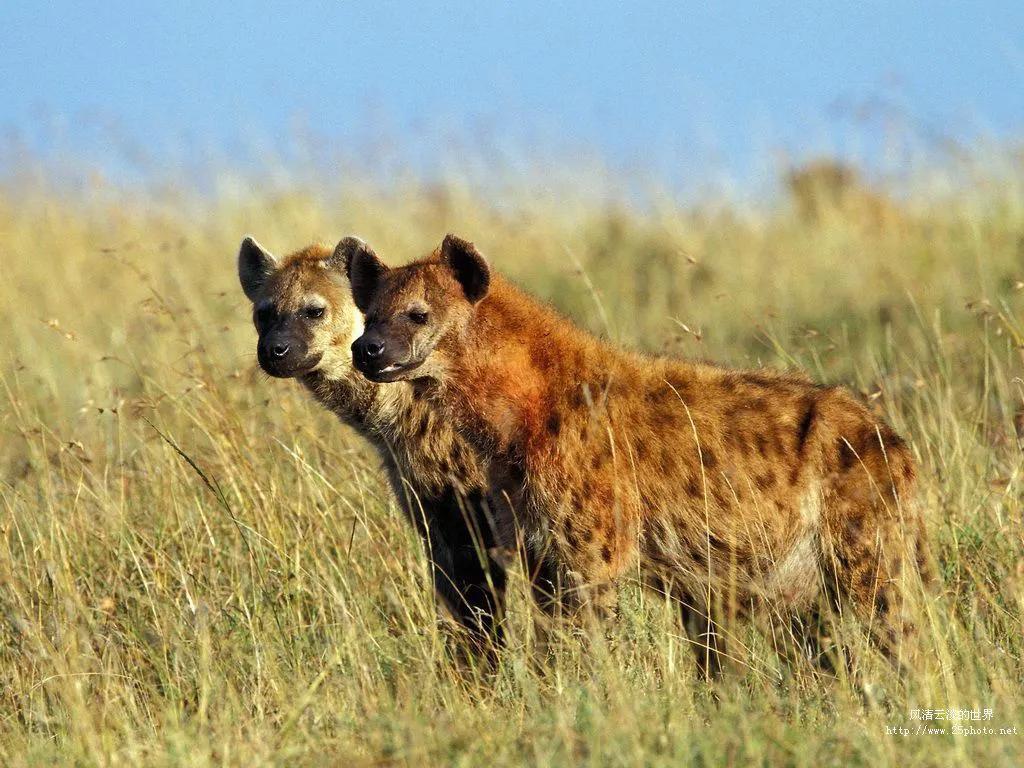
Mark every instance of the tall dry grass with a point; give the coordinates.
(199, 567)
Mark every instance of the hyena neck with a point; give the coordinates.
(508, 368)
(374, 410)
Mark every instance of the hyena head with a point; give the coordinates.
(415, 314)
(302, 307)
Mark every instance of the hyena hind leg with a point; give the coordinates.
(702, 626)
(811, 641)
(876, 576)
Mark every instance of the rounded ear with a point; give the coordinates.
(363, 268)
(346, 248)
(468, 265)
(255, 265)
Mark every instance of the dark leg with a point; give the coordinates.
(810, 641)
(469, 581)
(705, 636)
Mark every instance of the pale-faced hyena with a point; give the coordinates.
(722, 488)
(306, 321)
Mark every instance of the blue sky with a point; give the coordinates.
(721, 83)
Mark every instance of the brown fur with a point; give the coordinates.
(720, 487)
(435, 475)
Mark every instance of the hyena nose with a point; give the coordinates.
(279, 350)
(373, 349)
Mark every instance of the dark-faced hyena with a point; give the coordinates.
(307, 321)
(723, 488)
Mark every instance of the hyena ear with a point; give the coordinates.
(255, 264)
(468, 265)
(346, 248)
(363, 268)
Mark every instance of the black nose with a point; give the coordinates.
(373, 349)
(279, 350)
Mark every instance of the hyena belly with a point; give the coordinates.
(737, 551)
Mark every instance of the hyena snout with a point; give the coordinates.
(368, 348)
(380, 358)
(284, 355)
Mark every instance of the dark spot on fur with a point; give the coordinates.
(708, 459)
(668, 458)
(606, 553)
(765, 481)
(737, 439)
(554, 424)
(803, 430)
(598, 460)
(889, 439)
(680, 385)
(853, 527)
(723, 496)
(571, 535)
(882, 602)
(847, 457)
(662, 417)
(736, 558)
(794, 475)
(762, 444)
(867, 580)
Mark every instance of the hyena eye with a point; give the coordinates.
(418, 316)
(313, 312)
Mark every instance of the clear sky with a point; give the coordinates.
(643, 81)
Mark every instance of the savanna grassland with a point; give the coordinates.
(198, 567)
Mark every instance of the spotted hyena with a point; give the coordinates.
(306, 321)
(721, 488)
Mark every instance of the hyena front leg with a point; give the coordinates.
(706, 636)
(566, 601)
(468, 580)
(474, 587)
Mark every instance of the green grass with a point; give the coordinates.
(199, 567)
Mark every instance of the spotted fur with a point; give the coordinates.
(717, 486)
